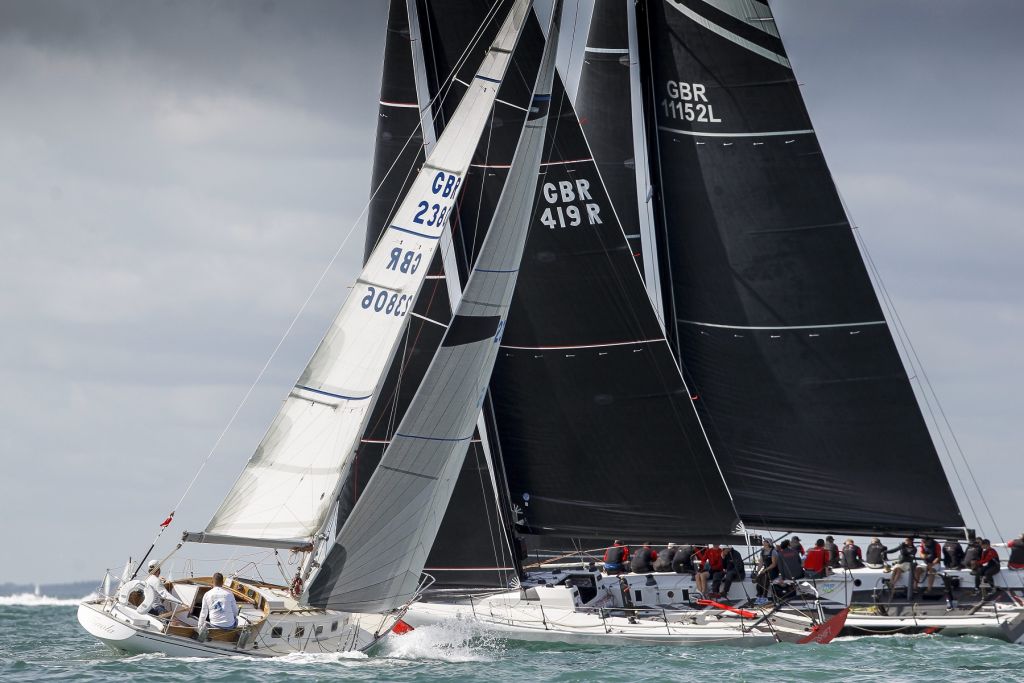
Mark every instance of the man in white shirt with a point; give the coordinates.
(160, 590)
(219, 606)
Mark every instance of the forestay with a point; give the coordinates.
(288, 486)
(378, 556)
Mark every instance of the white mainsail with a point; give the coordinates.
(378, 556)
(288, 486)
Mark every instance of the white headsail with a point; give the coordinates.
(378, 556)
(288, 486)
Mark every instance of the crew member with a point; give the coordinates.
(219, 606)
(972, 554)
(767, 571)
(682, 561)
(875, 555)
(988, 565)
(732, 570)
(664, 561)
(904, 561)
(615, 558)
(796, 545)
(161, 589)
(1016, 547)
(643, 561)
(952, 554)
(850, 556)
(931, 553)
(787, 559)
(833, 552)
(816, 562)
(709, 561)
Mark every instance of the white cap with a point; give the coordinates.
(153, 564)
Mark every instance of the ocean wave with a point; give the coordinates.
(33, 600)
(450, 641)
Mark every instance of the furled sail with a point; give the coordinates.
(377, 559)
(781, 336)
(289, 484)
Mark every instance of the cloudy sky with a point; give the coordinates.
(176, 175)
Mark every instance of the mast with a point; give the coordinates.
(378, 556)
(777, 326)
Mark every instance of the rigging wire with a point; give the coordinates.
(928, 390)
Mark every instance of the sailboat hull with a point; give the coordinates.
(271, 622)
(537, 624)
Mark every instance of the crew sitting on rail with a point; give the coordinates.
(833, 552)
(988, 565)
(904, 562)
(616, 558)
(931, 552)
(732, 570)
(219, 606)
(682, 561)
(850, 556)
(767, 572)
(787, 560)
(972, 554)
(161, 590)
(816, 562)
(1016, 547)
(643, 561)
(875, 555)
(952, 554)
(709, 561)
(664, 561)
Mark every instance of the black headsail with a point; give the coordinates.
(779, 331)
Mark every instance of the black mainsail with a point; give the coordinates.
(777, 326)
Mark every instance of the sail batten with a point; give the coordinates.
(291, 482)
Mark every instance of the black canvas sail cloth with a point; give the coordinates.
(800, 386)
(376, 562)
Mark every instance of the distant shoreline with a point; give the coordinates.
(72, 589)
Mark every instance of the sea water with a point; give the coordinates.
(40, 639)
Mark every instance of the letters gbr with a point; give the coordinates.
(444, 187)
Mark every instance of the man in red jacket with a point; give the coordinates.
(816, 562)
(1016, 547)
(616, 558)
(988, 565)
(709, 561)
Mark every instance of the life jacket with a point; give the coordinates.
(851, 557)
(816, 560)
(906, 552)
(615, 555)
(1016, 554)
(789, 563)
(875, 554)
